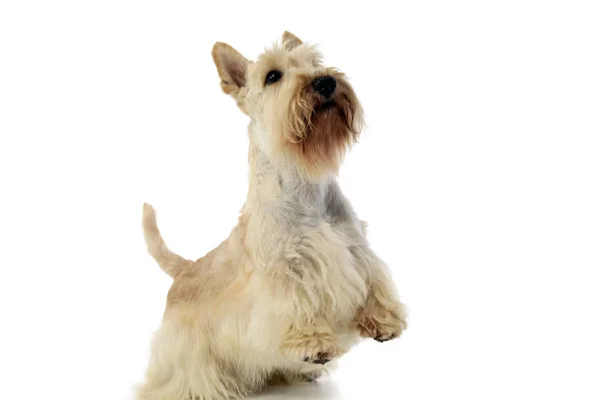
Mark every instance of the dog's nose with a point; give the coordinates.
(324, 85)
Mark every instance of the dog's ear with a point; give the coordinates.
(290, 41)
(232, 67)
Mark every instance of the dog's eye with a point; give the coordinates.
(272, 77)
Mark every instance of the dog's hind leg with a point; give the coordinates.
(294, 376)
(183, 368)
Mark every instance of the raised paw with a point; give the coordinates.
(382, 324)
(381, 338)
(319, 358)
(312, 347)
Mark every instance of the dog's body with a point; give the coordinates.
(296, 283)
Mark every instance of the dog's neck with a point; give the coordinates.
(281, 199)
(279, 188)
(272, 182)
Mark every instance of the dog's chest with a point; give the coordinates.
(315, 253)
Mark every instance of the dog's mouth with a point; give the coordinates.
(325, 106)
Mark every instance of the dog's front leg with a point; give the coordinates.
(315, 344)
(383, 316)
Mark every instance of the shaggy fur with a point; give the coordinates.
(296, 284)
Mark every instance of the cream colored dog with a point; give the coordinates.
(296, 284)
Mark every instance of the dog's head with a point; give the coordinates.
(304, 112)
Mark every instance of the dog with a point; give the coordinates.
(295, 285)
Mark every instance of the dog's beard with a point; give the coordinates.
(320, 131)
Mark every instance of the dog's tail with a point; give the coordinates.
(170, 262)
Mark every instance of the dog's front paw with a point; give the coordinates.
(319, 358)
(314, 349)
(383, 324)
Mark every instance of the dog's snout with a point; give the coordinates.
(324, 85)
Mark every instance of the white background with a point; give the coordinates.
(479, 174)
